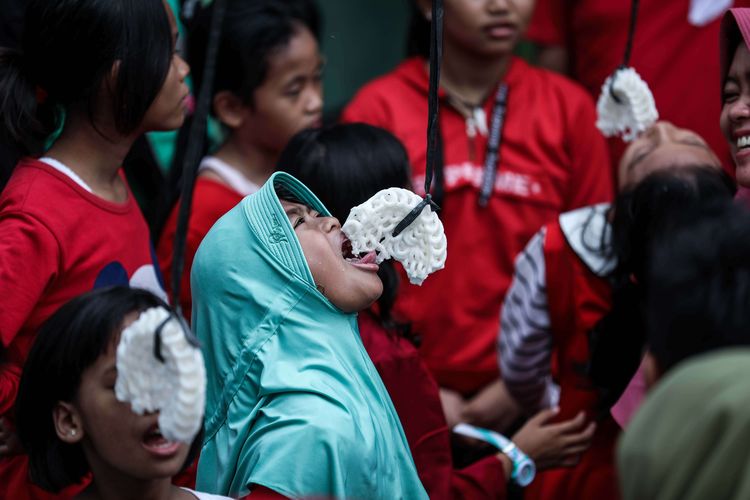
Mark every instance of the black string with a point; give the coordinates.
(628, 48)
(192, 339)
(433, 114)
(194, 150)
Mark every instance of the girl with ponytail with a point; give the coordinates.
(104, 72)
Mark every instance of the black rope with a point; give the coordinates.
(433, 114)
(628, 48)
(195, 149)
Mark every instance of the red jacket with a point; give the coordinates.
(577, 300)
(415, 396)
(552, 159)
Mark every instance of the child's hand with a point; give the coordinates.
(9, 443)
(554, 445)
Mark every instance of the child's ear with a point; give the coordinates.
(68, 424)
(229, 109)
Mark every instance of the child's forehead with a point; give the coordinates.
(293, 207)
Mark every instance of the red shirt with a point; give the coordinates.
(58, 241)
(679, 61)
(211, 200)
(552, 159)
(415, 396)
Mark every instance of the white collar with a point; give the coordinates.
(233, 177)
(589, 234)
(64, 169)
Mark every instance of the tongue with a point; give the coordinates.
(369, 258)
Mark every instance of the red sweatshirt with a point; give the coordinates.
(415, 396)
(211, 200)
(58, 241)
(552, 159)
(680, 61)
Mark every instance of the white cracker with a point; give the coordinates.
(176, 388)
(421, 248)
(634, 114)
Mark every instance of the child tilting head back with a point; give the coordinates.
(294, 403)
(69, 419)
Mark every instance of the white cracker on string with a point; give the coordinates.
(636, 110)
(421, 248)
(175, 387)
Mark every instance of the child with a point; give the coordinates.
(68, 221)
(552, 159)
(346, 165)
(565, 284)
(688, 439)
(69, 419)
(267, 88)
(293, 402)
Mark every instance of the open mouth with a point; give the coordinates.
(158, 445)
(366, 261)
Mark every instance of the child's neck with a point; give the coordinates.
(255, 163)
(95, 158)
(117, 487)
(468, 76)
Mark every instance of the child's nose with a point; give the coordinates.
(740, 109)
(328, 224)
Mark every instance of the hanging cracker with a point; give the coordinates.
(159, 369)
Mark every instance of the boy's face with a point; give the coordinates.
(489, 28)
(349, 286)
(290, 98)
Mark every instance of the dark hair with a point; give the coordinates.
(699, 284)
(69, 342)
(252, 31)
(67, 51)
(639, 215)
(345, 165)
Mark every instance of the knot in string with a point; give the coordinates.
(415, 213)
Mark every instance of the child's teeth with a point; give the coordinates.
(743, 141)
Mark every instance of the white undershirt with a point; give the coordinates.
(62, 168)
(233, 177)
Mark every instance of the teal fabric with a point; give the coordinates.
(293, 401)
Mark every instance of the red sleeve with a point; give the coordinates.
(482, 479)
(547, 25)
(591, 172)
(29, 261)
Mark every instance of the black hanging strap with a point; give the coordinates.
(194, 150)
(433, 114)
(628, 48)
(493, 144)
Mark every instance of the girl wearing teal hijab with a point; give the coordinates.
(293, 402)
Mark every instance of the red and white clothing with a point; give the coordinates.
(57, 241)
(552, 159)
(676, 50)
(415, 396)
(559, 292)
(211, 200)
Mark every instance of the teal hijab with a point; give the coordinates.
(293, 401)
